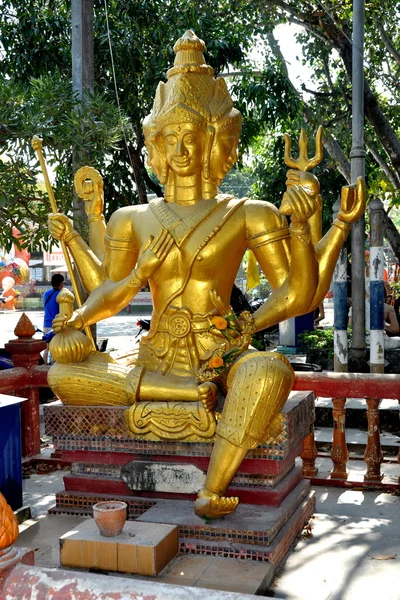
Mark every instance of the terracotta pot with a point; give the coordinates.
(110, 517)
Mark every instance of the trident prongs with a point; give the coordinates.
(303, 163)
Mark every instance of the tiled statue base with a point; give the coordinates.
(107, 459)
(159, 480)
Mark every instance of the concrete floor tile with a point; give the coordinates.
(187, 567)
(48, 558)
(234, 571)
(176, 581)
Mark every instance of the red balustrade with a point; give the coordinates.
(27, 376)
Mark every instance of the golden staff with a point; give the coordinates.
(37, 144)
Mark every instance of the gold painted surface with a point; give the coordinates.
(188, 247)
(186, 421)
(8, 525)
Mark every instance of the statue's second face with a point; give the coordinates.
(224, 153)
(183, 145)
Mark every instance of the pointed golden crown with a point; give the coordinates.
(191, 93)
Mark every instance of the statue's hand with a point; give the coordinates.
(304, 179)
(353, 198)
(89, 186)
(153, 254)
(61, 321)
(301, 199)
(59, 226)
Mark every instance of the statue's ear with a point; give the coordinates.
(209, 139)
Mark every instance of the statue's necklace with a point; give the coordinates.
(180, 227)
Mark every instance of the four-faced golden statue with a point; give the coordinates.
(188, 246)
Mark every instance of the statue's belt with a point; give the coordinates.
(179, 323)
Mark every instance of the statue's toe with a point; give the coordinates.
(208, 395)
(215, 507)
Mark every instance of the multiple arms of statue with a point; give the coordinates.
(301, 272)
(111, 296)
(295, 277)
(89, 186)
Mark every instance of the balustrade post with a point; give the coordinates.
(339, 453)
(373, 454)
(308, 455)
(25, 352)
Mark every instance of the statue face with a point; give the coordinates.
(155, 155)
(224, 153)
(183, 146)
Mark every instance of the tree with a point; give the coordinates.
(327, 48)
(36, 39)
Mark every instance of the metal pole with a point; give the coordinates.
(357, 156)
(82, 76)
(82, 51)
(339, 452)
(82, 46)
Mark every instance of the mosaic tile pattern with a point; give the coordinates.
(103, 429)
(275, 553)
(80, 503)
(217, 531)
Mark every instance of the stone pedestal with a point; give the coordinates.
(142, 548)
(159, 480)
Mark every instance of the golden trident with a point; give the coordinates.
(303, 163)
(37, 144)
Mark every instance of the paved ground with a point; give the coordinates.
(351, 553)
(121, 330)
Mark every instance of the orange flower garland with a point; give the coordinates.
(215, 362)
(219, 323)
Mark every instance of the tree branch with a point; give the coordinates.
(388, 43)
(390, 174)
(330, 144)
(317, 94)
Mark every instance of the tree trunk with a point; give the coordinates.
(392, 234)
(137, 167)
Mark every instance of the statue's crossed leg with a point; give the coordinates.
(258, 386)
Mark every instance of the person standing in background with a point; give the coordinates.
(50, 305)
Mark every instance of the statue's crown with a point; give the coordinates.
(191, 93)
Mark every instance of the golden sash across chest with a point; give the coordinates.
(213, 232)
(181, 228)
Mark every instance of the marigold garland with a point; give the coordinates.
(238, 338)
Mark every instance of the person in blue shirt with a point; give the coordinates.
(50, 305)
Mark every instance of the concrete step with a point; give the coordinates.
(357, 441)
(356, 414)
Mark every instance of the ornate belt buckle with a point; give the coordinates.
(179, 325)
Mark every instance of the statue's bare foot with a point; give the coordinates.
(213, 506)
(207, 393)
